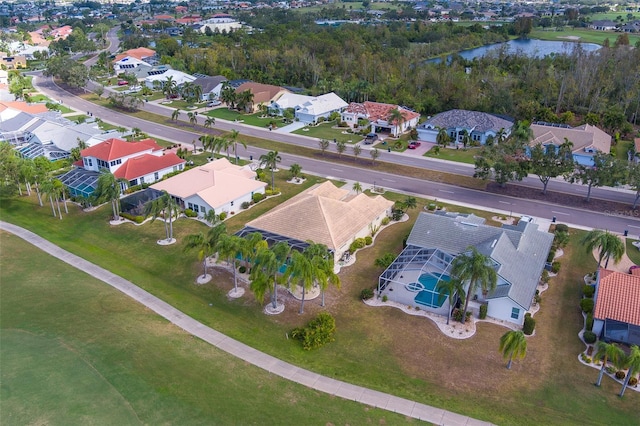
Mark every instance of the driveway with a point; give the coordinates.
(296, 125)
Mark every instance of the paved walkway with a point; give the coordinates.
(267, 362)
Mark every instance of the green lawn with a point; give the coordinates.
(76, 351)
(622, 148)
(585, 34)
(250, 119)
(326, 131)
(632, 251)
(459, 155)
(378, 348)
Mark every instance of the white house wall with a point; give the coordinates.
(598, 326)
(501, 309)
(232, 206)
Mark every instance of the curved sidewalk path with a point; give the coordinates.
(259, 359)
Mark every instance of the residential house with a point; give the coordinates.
(262, 93)
(220, 23)
(178, 77)
(616, 313)
(138, 163)
(319, 107)
(128, 61)
(4, 77)
(211, 86)
(378, 116)
(218, 185)
(518, 254)
(603, 25)
(586, 139)
(480, 126)
(13, 62)
(324, 214)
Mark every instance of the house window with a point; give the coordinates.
(203, 209)
(515, 313)
(156, 176)
(196, 208)
(190, 206)
(232, 204)
(142, 180)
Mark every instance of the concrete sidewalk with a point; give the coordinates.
(267, 362)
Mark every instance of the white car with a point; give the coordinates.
(213, 103)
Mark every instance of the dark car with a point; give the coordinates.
(413, 144)
(370, 138)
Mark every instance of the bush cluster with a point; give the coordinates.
(633, 381)
(245, 205)
(588, 291)
(589, 322)
(589, 337)
(136, 219)
(358, 243)
(586, 305)
(457, 315)
(552, 255)
(222, 216)
(585, 358)
(483, 311)
(366, 294)
(368, 240)
(317, 333)
(257, 197)
(190, 213)
(561, 227)
(268, 193)
(529, 324)
(555, 267)
(620, 375)
(385, 221)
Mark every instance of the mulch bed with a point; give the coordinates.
(562, 199)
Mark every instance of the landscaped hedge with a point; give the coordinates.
(561, 227)
(589, 337)
(190, 213)
(317, 333)
(257, 197)
(529, 324)
(358, 243)
(366, 294)
(136, 219)
(555, 267)
(483, 311)
(586, 305)
(551, 256)
(245, 205)
(368, 240)
(222, 216)
(589, 322)
(588, 291)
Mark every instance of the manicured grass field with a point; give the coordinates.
(586, 35)
(76, 351)
(380, 348)
(326, 131)
(459, 155)
(632, 251)
(250, 119)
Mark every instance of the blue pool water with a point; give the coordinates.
(428, 295)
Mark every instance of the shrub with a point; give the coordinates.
(585, 358)
(555, 267)
(589, 337)
(483, 311)
(586, 305)
(545, 278)
(633, 381)
(242, 269)
(317, 333)
(257, 197)
(588, 291)
(620, 375)
(561, 227)
(589, 322)
(245, 205)
(529, 324)
(366, 294)
(136, 219)
(457, 315)
(190, 213)
(551, 256)
(358, 243)
(368, 240)
(385, 298)
(385, 221)
(222, 216)
(268, 193)
(397, 214)
(431, 207)
(537, 299)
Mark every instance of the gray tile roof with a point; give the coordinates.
(521, 251)
(209, 83)
(460, 118)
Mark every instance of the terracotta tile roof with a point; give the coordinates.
(113, 148)
(375, 111)
(146, 164)
(262, 93)
(325, 214)
(163, 17)
(140, 53)
(24, 107)
(618, 297)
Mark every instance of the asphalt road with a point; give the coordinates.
(614, 221)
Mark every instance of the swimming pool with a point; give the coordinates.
(429, 295)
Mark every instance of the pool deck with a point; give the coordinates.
(397, 291)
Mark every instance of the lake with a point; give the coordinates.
(528, 47)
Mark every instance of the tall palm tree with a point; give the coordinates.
(230, 246)
(452, 289)
(269, 261)
(251, 245)
(170, 87)
(397, 119)
(513, 344)
(49, 191)
(475, 268)
(245, 100)
(222, 144)
(61, 192)
(109, 188)
(193, 118)
(608, 245)
(166, 207)
(632, 362)
(270, 160)
(443, 137)
(202, 244)
(42, 170)
(175, 114)
(302, 271)
(234, 140)
(607, 352)
(228, 95)
(322, 262)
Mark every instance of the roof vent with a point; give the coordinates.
(493, 244)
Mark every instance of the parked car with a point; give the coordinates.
(413, 144)
(370, 138)
(122, 82)
(213, 103)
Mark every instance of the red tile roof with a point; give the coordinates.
(24, 107)
(636, 144)
(140, 53)
(377, 111)
(146, 164)
(618, 297)
(113, 148)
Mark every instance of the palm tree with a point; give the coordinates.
(270, 160)
(234, 140)
(453, 288)
(607, 352)
(245, 100)
(357, 187)
(409, 203)
(27, 172)
(443, 137)
(608, 245)
(203, 246)
(466, 138)
(48, 190)
(109, 188)
(42, 169)
(175, 114)
(229, 246)
(302, 271)
(210, 121)
(222, 144)
(632, 362)
(164, 206)
(211, 217)
(228, 95)
(357, 149)
(513, 344)
(193, 118)
(295, 170)
(60, 192)
(322, 262)
(341, 147)
(269, 261)
(475, 268)
(251, 244)
(169, 87)
(396, 118)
